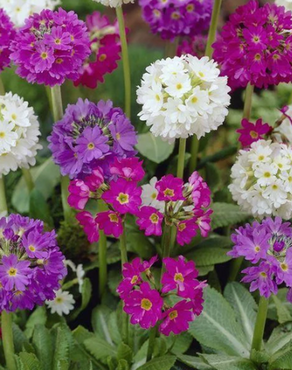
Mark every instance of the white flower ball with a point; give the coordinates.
(114, 3)
(284, 131)
(19, 134)
(286, 3)
(262, 179)
(20, 10)
(183, 96)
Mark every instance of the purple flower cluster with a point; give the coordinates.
(256, 46)
(173, 18)
(51, 47)
(147, 305)
(89, 136)
(31, 263)
(7, 34)
(194, 45)
(267, 245)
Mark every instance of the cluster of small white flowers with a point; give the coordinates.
(80, 273)
(149, 196)
(114, 3)
(284, 131)
(19, 134)
(183, 96)
(62, 304)
(262, 179)
(20, 10)
(286, 3)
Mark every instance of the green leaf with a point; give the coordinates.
(195, 362)
(282, 359)
(159, 363)
(100, 320)
(29, 361)
(181, 344)
(39, 316)
(38, 207)
(20, 340)
(244, 307)
(42, 342)
(279, 338)
(222, 154)
(154, 148)
(212, 177)
(63, 346)
(223, 362)
(217, 327)
(85, 295)
(208, 256)
(282, 311)
(45, 176)
(124, 353)
(226, 214)
(204, 270)
(99, 348)
(282, 296)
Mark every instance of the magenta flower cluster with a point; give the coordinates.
(105, 50)
(194, 45)
(252, 132)
(31, 264)
(173, 18)
(148, 305)
(268, 246)
(254, 46)
(51, 47)
(89, 136)
(7, 35)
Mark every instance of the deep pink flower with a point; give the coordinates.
(203, 220)
(128, 168)
(201, 194)
(95, 179)
(177, 318)
(79, 194)
(148, 264)
(251, 132)
(186, 231)
(89, 225)
(181, 275)
(124, 196)
(14, 273)
(170, 188)
(198, 299)
(110, 222)
(131, 277)
(144, 306)
(150, 220)
(7, 34)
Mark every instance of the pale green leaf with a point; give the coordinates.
(225, 214)
(100, 320)
(279, 338)
(99, 348)
(29, 361)
(154, 148)
(159, 363)
(39, 316)
(282, 359)
(208, 256)
(223, 362)
(282, 311)
(194, 362)
(42, 342)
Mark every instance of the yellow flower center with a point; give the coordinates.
(13, 116)
(257, 248)
(118, 136)
(90, 146)
(123, 198)
(58, 41)
(102, 57)
(182, 226)
(156, 13)
(2, 134)
(179, 86)
(175, 15)
(194, 99)
(113, 218)
(146, 304)
(284, 266)
(168, 192)
(31, 248)
(178, 277)
(59, 300)
(154, 218)
(190, 8)
(254, 134)
(134, 279)
(267, 174)
(44, 55)
(59, 60)
(173, 315)
(12, 271)
(261, 157)
(157, 97)
(263, 274)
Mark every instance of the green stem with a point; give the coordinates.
(181, 158)
(234, 269)
(260, 325)
(213, 27)
(194, 154)
(124, 258)
(126, 62)
(171, 48)
(28, 179)
(248, 101)
(168, 239)
(102, 253)
(64, 197)
(151, 343)
(3, 203)
(7, 338)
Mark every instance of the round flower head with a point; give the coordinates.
(91, 135)
(19, 134)
(31, 264)
(7, 34)
(286, 3)
(51, 47)
(105, 50)
(262, 179)
(251, 132)
(256, 46)
(114, 3)
(20, 10)
(183, 96)
(173, 18)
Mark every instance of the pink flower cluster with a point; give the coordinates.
(105, 50)
(147, 304)
(194, 45)
(254, 46)
(7, 34)
(251, 132)
(51, 47)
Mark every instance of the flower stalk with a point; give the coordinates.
(7, 338)
(124, 258)
(248, 101)
(181, 158)
(102, 252)
(3, 203)
(259, 325)
(28, 179)
(126, 62)
(151, 343)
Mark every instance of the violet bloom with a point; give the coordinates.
(251, 132)
(170, 188)
(131, 277)
(124, 196)
(150, 220)
(91, 136)
(110, 222)
(50, 47)
(144, 306)
(128, 168)
(181, 275)
(7, 34)
(177, 318)
(31, 266)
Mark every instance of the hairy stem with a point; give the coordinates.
(7, 338)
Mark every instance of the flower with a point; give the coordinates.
(79, 194)
(105, 50)
(50, 47)
(62, 304)
(253, 47)
(286, 3)
(80, 273)
(261, 179)
(114, 3)
(7, 34)
(124, 196)
(86, 128)
(169, 188)
(150, 220)
(284, 130)
(131, 277)
(186, 231)
(128, 168)
(194, 45)
(20, 10)
(19, 134)
(89, 225)
(177, 318)
(144, 306)
(183, 96)
(31, 265)
(149, 195)
(251, 132)
(110, 222)
(174, 18)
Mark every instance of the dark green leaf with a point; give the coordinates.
(154, 148)
(226, 214)
(159, 363)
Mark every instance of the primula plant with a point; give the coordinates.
(145, 185)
